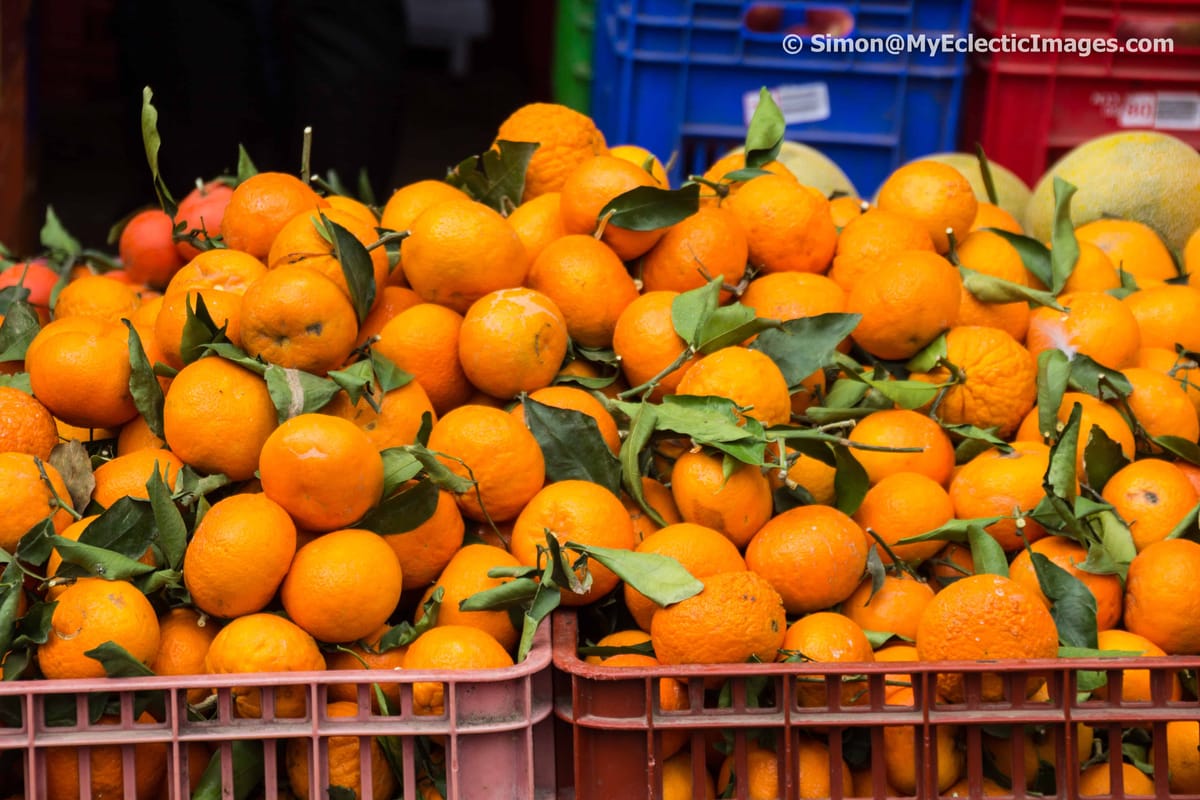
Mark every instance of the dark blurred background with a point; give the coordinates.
(402, 88)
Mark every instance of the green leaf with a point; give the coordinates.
(399, 467)
(745, 174)
(850, 482)
(64, 248)
(990, 289)
(544, 602)
(929, 357)
(438, 472)
(986, 552)
(34, 627)
(516, 593)
(36, 544)
(118, 662)
(572, 444)
(341, 793)
(19, 328)
(1034, 255)
(199, 330)
(355, 380)
(388, 376)
(143, 385)
(955, 530)
(1054, 371)
(1179, 447)
(127, 528)
(98, 561)
(247, 758)
(1074, 605)
(661, 578)
(608, 651)
(365, 193)
(1060, 479)
(406, 633)
(730, 325)
(1096, 379)
(1185, 525)
(12, 582)
(1064, 248)
(496, 177)
(985, 170)
(356, 267)
(764, 135)
(297, 392)
(404, 511)
(712, 421)
(153, 142)
(802, 346)
(643, 419)
(172, 531)
(1102, 457)
(245, 167)
(649, 208)
(191, 487)
(19, 381)
(230, 352)
(690, 310)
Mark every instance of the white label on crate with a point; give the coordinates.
(1172, 111)
(799, 102)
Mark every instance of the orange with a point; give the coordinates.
(811, 778)
(565, 140)
(952, 562)
(323, 470)
(222, 268)
(747, 377)
(1183, 741)
(706, 245)
(1093, 271)
(735, 162)
(646, 342)
(1152, 496)
(217, 416)
(466, 574)
(1161, 600)
(26, 426)
(79, 369)
(622, 638)
(264, 643)
(259, 208)
(864, 784)
(679, 781)
(701, 551)
(147, 247)
(588, 283)
(988, 786)
(737, 617)
(424, 551)
(538, 223)
(450, 647)
(793, 295)
(574, 511)
(1095, 414)
(410, 201)
(343, 585)
(89, 613)
(901, 756)
(814, 556)
(136, 435)
(846, 209)
(239, 555)
(1131, 246)
(1069, 555)
(73, 531)
(392, 301)
(999, 484)
(1038, 746)
(1160, 404)
(788, 228)
(934, 195)
(127, 475)
(184, 639)
(460, 250)
(811, 474)
(303, 241)
(1135, 683)
(870, 240)
(900, 428)
(995, 385)
(659, 498)
(1183, 370)
(107, 767)
(904, 304)
(591, 186)
(96, 296)
(642, 158)
(296, 317)
(1095, 324)
(1166, 316)
(902, 505)
(343, 754)
(225, 309)
(990, 215)
(828, 637)
(423, 341)
(894, 608)
(340, 202)
(984, 617)
(988, 253)
(737, 504)
(497, 452)
(1191, 255)
(1096, 781)
(399, 417)
(576, 399)
(365, 654)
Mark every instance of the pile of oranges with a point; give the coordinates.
(868, 431)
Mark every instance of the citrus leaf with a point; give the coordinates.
(802, 346)
(34, 627)
(438, 472)
(399, 467)
(74, 466)
(36, 544)
(341, 793)
(404, 511)
(608, 651)
(986, 552)
(356, 267)
(1064, 248)
(730, 325)
(12, 582)
(388, 376)
(199, 330)
(143, 385)
(496, 177)
(516, 593)
(985, 171)
(172, 531)
(365, 193)
(245, 167)
(1087, 375)
(405, 633)
(95, 561)
(643, 419)
(247, 770)
(929, 356)
(649, 208)
(295, 392)
(745, 174)
(545, 600)
(1034, 255)
(17, 330)
(152, 142)
(355, 380)
(118, 662)
(190, 487)
(712, 421)
(64, 248)
(1054, 371)
(764, 135)
(1073, 604)
(661, 578)
(1186, 525)
(850, 482)
(990, 289)
(572, 444)
(690, 310)
(1060, 475)
(231, 352)
(955, 530)
(1179, 447)
(18, 381)
(1102, 457)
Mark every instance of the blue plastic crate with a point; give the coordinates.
(674, 76)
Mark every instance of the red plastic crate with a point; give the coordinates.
(1027, 109)
(611, 726)
(497, 729)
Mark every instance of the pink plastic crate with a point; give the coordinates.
(497, 729)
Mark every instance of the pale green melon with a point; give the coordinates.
(813, 168)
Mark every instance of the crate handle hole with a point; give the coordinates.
(805, 21)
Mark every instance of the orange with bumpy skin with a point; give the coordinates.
(995, 383)
(588, 283)
(538, 223)
(788, 228)
(296, 317)
(1152, 496)
(1135, 683)
(986, 252)
(894, 608)
(737, 504)
(591, 186)
(423, 341)
(565, 140)
(706, 245)
(574, 511)
(303, 241)
(26, 426)
(902, 505)
(1131, 246)
(512, 341)
(1160, 405)
(901, 428)
(646, 342)
(239, 555)
(323, 470)
(79, 369)
(184, 638)
(264, 643)
(450, 647)
(934, 195)
(792, 295)
(343, 765)
(984, 617)
(1095, 324)
(365, 654)
(905, 304)
(814, 556)
(96, 296)
(259, 208)
(410, 201)
(747, 377)
(828, 637)
(398, 419)
(575, 399)
(127, 475)
(869, 241)
(89, 613)
(220, 268)
(1001, 484)
(425, 550)
(464, 575)
(496, 451)
(393, 300)
(460, 250)
(1068, 555)
(107, 767)
(225, 309)
(738, 616)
